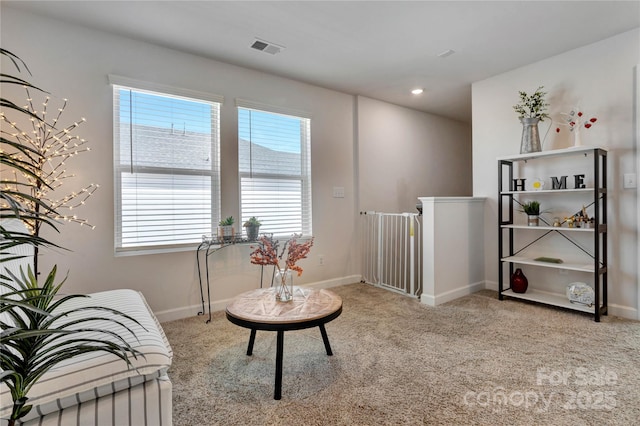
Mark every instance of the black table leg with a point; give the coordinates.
(252, 339)
(325, 339)
(279, 349)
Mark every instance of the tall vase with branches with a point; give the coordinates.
(37, 329)
(531, 109)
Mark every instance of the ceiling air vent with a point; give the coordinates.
(265, 46)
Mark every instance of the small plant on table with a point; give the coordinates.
(226, 228)
(253, 228)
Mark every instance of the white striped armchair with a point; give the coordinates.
(99, 388)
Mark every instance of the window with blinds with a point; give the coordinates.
(167, 168)
(275, 169)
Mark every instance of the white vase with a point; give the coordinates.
(577, 140)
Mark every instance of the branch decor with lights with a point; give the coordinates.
(44, 163)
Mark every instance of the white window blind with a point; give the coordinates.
(275, 170)
(167, 168)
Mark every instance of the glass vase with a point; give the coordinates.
(284, 285)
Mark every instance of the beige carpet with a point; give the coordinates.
(475, 360)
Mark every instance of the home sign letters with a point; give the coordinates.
(556, 183)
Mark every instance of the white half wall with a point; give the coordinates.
(452, 244)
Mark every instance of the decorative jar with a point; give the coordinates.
(519, 283)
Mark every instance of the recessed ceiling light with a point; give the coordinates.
(417, 91)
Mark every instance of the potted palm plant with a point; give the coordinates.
(253, 228)
(36, 332)
(42, 332)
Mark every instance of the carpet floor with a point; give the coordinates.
(475, 360)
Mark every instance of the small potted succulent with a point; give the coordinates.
(532, 210)
(253, 228)
(226, 228)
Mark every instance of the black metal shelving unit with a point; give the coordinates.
(509, 196)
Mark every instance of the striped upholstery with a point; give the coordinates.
(98, 385)
(148, 403)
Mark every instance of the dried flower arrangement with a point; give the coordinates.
(267, 254)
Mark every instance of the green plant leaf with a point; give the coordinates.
(46, 333)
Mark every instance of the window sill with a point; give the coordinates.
(140, 251)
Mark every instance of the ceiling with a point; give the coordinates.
(378, 49)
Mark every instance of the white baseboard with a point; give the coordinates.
(435, 300)
(178, 313)
(335, 282)
(491, 285)
(623, 311)
(220, 305)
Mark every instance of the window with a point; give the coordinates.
(167, 167)
(275, 169)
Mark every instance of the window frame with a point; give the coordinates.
(118, 82)
(305, 162)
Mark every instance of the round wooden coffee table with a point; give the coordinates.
(259, 310)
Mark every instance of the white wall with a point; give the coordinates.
(405, 154)
(599, 78)
(73, 62)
